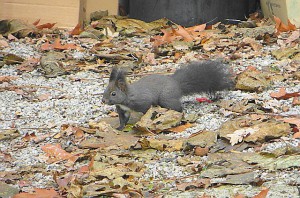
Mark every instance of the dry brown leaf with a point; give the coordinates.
(57, 45)
(181, 31)
(7, 78)
(258, 117)
(29, 136)
(56, 153)
(36, 22)
(70, 130)
(180, 128)
(46, 25)
(196, 30)
(294, 36)
(239, 196)
(295, 121)
(296, 101)
(158, 119)
(201, 151)
(12, 37)
(282, 94)
(168, 36)
(109, 137)
(41, 138)
(296, 135)
(262, 194)
(39, 193)
(253, 43)
(44, 97)
(281, 27)
(46, 46)
(4, 43)
(200, 183)
(77, 30)
(29, 65)
(238, 135)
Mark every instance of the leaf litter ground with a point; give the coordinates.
(58, 140)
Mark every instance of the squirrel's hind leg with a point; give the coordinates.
(173, 104)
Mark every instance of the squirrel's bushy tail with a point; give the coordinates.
(206, 76)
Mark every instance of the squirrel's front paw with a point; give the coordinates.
(120, 128)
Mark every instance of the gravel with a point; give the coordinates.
(78, 102)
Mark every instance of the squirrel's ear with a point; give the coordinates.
(122, 85)
(114, 74)
(118, 76)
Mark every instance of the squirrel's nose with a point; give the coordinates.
(105, 100)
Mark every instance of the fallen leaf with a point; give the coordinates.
(296, 135)
(12, 37)
(3, 43)
(29, 65)
(181, 31)
(201, 139)
(180, 128)
(195, 30)
(158, 119)
(29, 136)
(253, 43)
(163, 145)
(260, 131)
(200, 183)
(295, 121)
(41, 138)
(239, 196)
(17, 27)
(56, 153)
(282, 94)
(57, 45)
(281, 27)
(46, 46)
(108, 137)
(7, 78)
(44, 97)
(294, 36)
(9, 134)
(36, 22)
(39, 193)
(201, 151)
(262, 194)
(296, 101)
(238, 135)
(46, 25)
(252, 80)
(11, 59)
(73, 130)
(77, 30)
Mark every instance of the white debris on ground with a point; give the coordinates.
(78, 102)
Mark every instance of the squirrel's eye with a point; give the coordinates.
(113, 93)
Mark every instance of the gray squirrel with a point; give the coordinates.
(164, 90)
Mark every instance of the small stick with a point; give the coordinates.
(32, 86)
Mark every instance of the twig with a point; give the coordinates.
(269, 114)
(173, 178)
(21, 118)
(26, 128)
(32, 86)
